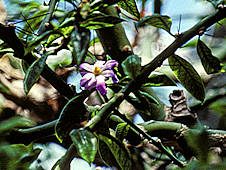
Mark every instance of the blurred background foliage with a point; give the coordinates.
(44, 104)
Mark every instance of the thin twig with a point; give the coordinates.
(157, 142)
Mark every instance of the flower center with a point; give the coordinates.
(97, 70)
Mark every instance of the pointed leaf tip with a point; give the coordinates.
(210, 63)
(85, 143)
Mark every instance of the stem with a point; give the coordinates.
(114, 38)
(7, 34)
(39, 128)
(48, 16)
(157, 142)
(156, 62)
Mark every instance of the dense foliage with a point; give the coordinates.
(85, 85)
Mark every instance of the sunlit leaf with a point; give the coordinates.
(117, 149)
(159, 80)
(130, 6)
(80, 40)
(122, 130)
(157, 20)
(33, 73)
(210, 63)
(100, 21)
(17, 156)
(101, 4)
(132, 66)
(192, 43)
(85, 143)
(187, 76)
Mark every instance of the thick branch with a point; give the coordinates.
(114, 39)
(155, 63)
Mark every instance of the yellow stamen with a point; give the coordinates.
(97, 70)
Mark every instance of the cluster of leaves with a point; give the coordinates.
(73, 28)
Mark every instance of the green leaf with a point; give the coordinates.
(85, 143)
(148, 97)
(192, 43)
(15, 122)
(121, 131)
(38, 41)
(159, 80)
(148, 104)
(157, 20)
(130, 6)
(4, 89)
(187, 76)
(117, 149)
(33, 73)
(17, 156)
(101, 4)
(15, 62)
(80, 39)
(210, 63)
(132, 66)
(100, 20)
(70, 115)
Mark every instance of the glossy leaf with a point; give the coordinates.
(159, 80)
(70, 115)
(122, 130)
(80, 41)
(33, 73)
(132, 66)
(85, 143)
(157, 20)
(210, 63)
(187, 76)
(17, 156)
(100, 20)
(117, 149)
(130, 6)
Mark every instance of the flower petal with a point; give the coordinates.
(110, 73)
(91, 83)
(110, 64)
(100, 86)
(87, 67)
(86, 78)
(99, 64)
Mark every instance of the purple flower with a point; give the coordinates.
(95, 75)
